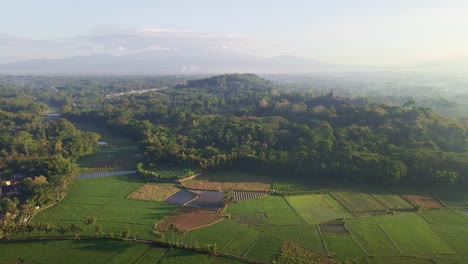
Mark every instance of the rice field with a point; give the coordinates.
(275, 208)
(317, 208)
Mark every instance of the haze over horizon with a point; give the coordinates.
(361, 33)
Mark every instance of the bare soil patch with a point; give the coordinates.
(187, 218)
(153, 192)
(239, 181)
(426, 201)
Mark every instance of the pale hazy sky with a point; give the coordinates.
(360, 32)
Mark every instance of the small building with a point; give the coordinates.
(7, 183)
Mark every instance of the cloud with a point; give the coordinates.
(121, 40)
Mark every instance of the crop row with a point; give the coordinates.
(242, 196)
(392, 201)
(287, 187)
(358, 202)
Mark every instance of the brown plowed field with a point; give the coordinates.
(426, 202)
(229, 180)
(153, 192)
(187, 218)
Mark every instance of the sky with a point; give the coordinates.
(349, 32)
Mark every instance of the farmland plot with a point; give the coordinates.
(187, 218)
(370, 235)
(105, 198)
(343, 246)
(425, 201)
(181, 198)
(264, 249)
(246, 195)
(393, 201)
(219, 234)
(242, 241)
(70, 251)
(317, 208)
(229, 180)
(210, 200)
(357, 202)
(307, 236)
(276, 209)
(413, 235)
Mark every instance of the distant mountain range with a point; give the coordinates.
(188, 62)
(168, 62)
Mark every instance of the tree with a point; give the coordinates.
(228, 197)
(125, 232)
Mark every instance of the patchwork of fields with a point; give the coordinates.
(98, 251)
(326, 226)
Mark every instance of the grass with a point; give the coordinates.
(370, 235)
(306, 236)
(233, 180)
(343, 246)
(153, 192)
(276, 209)
(105, 198)
(317, 208)
(70, 251)
(242, 241)
(413, 235)
(265, 248)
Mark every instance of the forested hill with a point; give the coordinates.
(231, 82)
(242, 121)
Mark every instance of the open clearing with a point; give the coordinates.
(275, 209)
(229, 180)
(425, 201)
(317, 208)
(154, 192)
(187, 218)
(105, 198)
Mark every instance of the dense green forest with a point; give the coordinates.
(247, 122)
(37, 157)
(230, 121)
